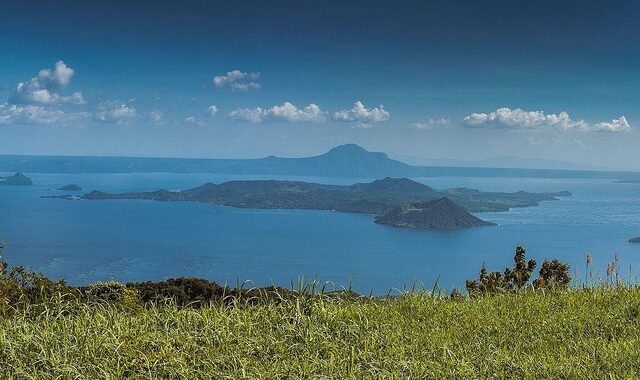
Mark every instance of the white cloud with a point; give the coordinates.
(506, 118)
(431, 123)
(520, 119)
(362, 115)
(115, 112)
(615, 125)
(238, 81)
(195, 121)
(41, 89)
(289, 112)
(212, 110)
(244, 87)
(252, 115)
(285, 112)
(35, 114)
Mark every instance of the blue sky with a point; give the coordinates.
(437, 79)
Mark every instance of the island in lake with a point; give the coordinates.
(395, 201)
(17, 179)
(439, 213)
(71, 187)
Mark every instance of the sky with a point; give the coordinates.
(464, 80)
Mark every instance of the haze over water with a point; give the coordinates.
(87, 241)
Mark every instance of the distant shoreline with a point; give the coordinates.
(347, 160)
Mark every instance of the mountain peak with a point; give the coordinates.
(352, 150)
(438, 213)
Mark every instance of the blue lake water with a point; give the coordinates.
(87, 241)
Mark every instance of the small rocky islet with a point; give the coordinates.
(17, 179)
(70, 187)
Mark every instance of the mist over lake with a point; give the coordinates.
(136, 240)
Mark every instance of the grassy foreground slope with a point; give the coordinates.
(565, 334)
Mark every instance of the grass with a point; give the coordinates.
(576, 333)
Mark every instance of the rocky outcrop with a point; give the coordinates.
(18, 179)
(71, 187)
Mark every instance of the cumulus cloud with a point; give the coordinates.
(251, 115)
(615, 125)
(431, 123)
(506, 118)
(35, 114)
(286, 112)
(238, 80)
(362, 115)
(41, 89)
(203, 120)
(520, 119)
(212, 110)
(117, 112)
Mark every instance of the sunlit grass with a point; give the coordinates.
(568, 334)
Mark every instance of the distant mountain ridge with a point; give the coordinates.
(507, 162)
(349, 160)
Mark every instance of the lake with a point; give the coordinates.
(133, 240)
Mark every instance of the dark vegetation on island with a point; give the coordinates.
(17, 179)
(70, 187)
(635, 240)
(381, 198)
(431, 214)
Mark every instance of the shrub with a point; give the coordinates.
(518, 277)
(20, 287)
(111, 294)
(553, 274)
(184, 291)
(510, 280)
